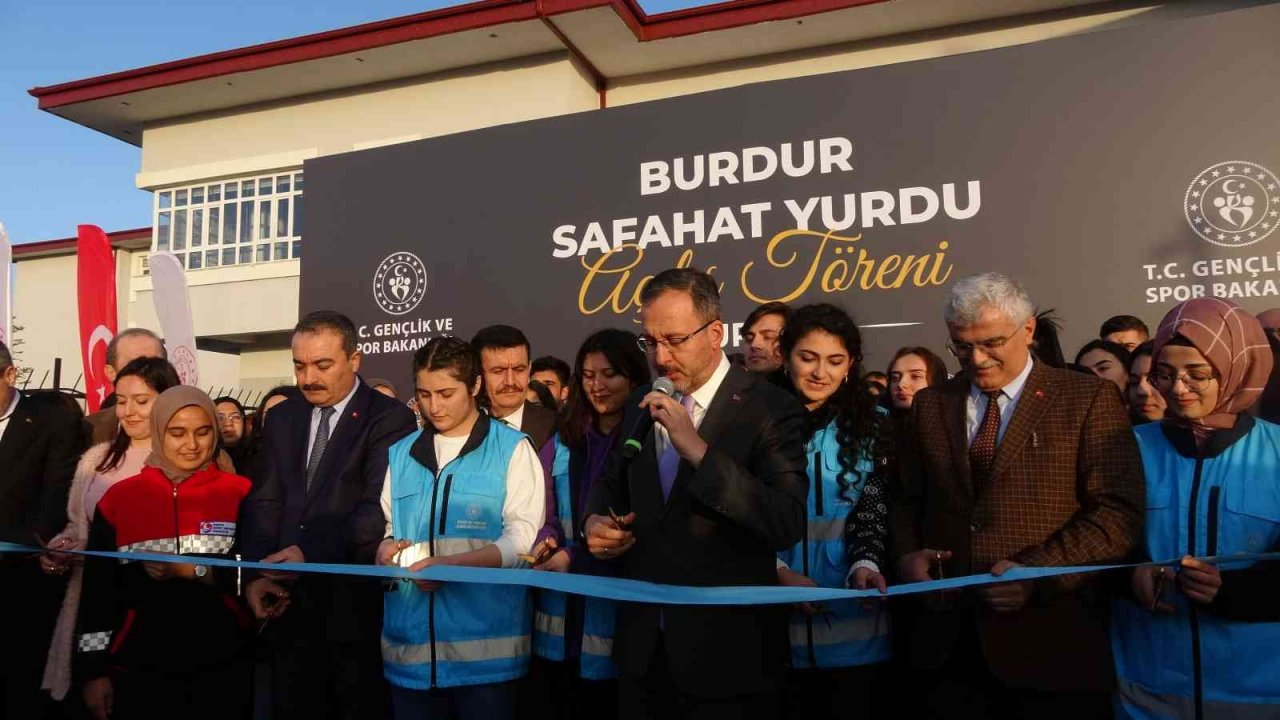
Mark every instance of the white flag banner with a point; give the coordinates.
(6, 294)
(173, 308)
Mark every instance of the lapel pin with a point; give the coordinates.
(1040, 393)
(355, 414)
(1035, 441)
(737, 397)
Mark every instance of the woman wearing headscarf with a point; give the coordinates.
(1198, 640)
(166, 637)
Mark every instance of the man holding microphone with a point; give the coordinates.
(717, 488)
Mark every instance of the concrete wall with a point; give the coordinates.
(902, 48)
(283, 135)
(44, 303)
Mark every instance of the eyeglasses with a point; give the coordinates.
(649, 344)
(1195, 380)
(963, 350)
(231, 416)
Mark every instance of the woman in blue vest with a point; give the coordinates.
(837, 648)
(1200, 640)
(464, 490)
(572, 673)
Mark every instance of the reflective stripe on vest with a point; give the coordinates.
(598, 646)
(1140, 703)
(862, 628)
(500, 648)
(549, 624)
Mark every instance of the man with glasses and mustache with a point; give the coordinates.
(717, 488)
(1017, 464)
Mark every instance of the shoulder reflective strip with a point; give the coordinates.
(825, 530)
(459, 651)
(548, 624)
(596, 645)
(198, 544)
(845, 630)
(94, 641)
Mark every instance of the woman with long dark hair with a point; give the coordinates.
(137, 386)
(911, 370)
(1145, 402)
(836, 649)
(571, 675)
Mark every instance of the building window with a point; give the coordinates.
(234, 222)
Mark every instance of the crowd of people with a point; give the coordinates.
(791, 464)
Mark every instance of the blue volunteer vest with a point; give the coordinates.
(598, 616)
(846, 634)
(463, 633)
(1234, 499)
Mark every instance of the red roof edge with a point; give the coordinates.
(486, 13)
(44, 247)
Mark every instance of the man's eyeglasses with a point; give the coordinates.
(649, 344)
(224, 417)
(963, 350)
(1195, 380)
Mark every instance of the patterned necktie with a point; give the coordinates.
(317, 448)
(982, 453)
(669, 463)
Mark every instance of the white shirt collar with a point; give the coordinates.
(13, 404)
(341, 405)
(515, 419)
(1014, 389)
(705, 394)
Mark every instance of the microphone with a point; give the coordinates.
(634, 434)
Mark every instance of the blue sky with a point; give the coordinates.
(55, 174)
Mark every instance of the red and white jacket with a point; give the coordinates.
(127, 619)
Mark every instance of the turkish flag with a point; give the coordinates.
(96, 288)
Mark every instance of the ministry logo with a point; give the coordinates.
(1233, 204)
(400, 283)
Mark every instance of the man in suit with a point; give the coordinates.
(504, 361)
(317, 483)
(123, 349)
(41, 440)
(1018, 464)
(718, 488)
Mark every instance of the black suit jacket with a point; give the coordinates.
(38, 454)
(340, 519)
(722, 525)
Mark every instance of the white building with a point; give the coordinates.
(223, 136)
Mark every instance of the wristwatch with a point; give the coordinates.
(201, 570)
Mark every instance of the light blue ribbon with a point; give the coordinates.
(638, 590)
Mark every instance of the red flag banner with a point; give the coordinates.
(96, 288)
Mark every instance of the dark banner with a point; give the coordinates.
(1114, 172)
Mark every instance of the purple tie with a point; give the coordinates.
(669, 462)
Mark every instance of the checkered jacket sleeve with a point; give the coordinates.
(101, 607)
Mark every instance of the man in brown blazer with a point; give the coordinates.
(1018, 464)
